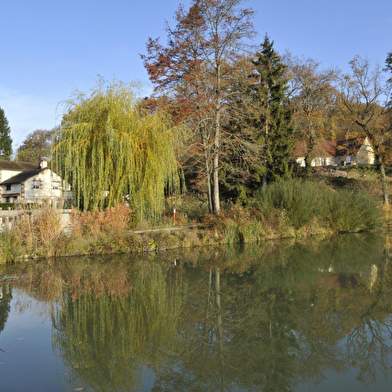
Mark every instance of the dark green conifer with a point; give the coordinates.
(5, 137)
(275, 114)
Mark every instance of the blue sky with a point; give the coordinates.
(49, 48)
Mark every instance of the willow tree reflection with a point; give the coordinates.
(105, 339)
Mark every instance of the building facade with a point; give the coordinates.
(39, 185)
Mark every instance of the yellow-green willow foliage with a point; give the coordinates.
(109, 147)
(104, 339)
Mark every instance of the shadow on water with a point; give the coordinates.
(220, 319)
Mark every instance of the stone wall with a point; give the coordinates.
(9, 217)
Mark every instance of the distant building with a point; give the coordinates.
(354, 151)
(32, 185)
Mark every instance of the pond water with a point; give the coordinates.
(285, 316)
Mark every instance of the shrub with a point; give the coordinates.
(5, 206)
(190, 207)
(300, 200)
(111, 222)
(237, 225)
(47, 227)
(307, 204)
(353, 212)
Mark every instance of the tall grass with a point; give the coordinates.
(33, 235)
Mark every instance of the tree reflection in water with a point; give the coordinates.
(259, 318)
(5, 300)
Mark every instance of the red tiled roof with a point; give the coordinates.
(325, 148)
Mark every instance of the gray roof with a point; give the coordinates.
(21, 177)
(17, 166)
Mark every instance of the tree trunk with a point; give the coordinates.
(308, 165)
(215, 167)
(206, 150)
(209, 190)
(308, 157)
(384, 184)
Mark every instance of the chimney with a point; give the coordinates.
(44, 163)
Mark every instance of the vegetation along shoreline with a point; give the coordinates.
(291, 209)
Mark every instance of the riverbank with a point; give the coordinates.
(292, 209)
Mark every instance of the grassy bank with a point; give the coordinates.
(293, 208)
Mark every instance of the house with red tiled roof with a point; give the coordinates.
(354, 151)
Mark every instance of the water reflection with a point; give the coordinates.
(5, 299)
(266, 318)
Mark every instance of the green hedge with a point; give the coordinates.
(5, 206)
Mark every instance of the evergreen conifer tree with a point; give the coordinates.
(270, 89)
(5, 137)
(259, 142)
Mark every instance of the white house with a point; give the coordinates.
(36, 185)
(10, 169)
(354, 151)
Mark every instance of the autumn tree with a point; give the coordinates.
(108, 147)
(366, 94)
(181, 89)
(5, 137)
(198, 62)
(313, 96)
(36, 145)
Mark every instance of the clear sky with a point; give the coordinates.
(49, 48)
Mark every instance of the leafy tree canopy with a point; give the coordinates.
(35, 146)
(109, 147)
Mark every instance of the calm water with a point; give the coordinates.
(281, 317)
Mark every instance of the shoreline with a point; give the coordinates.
(157, 240)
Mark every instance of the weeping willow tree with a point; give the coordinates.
(109, 146)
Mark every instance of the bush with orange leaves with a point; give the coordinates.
(111, 222)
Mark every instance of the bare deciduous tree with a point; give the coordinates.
(366, 94)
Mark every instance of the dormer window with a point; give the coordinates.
(9, 187)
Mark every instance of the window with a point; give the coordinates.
(36, 184)
(8, 187)
(56, 185)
